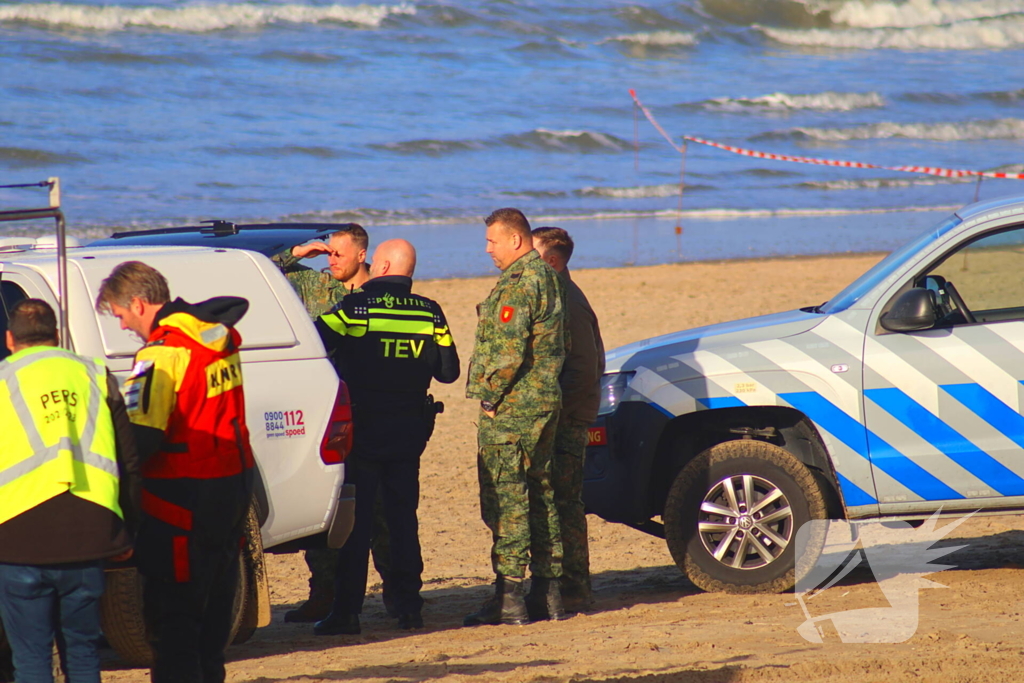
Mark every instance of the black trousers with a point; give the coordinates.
(398, 483)
(189, 624)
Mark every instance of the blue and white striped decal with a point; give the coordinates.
(928, 440)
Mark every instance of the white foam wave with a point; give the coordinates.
(195, 18)
(780, 101)
(640, 192)
(992, 34)
(998, 129)
(880, 183)
(656, 39)
(571, 138)
(870, 14)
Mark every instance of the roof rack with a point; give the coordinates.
(52, 211)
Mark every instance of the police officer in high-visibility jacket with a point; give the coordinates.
(388, 344)
(68, 495)
(186, 401)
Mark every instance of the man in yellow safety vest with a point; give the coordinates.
(69, 484)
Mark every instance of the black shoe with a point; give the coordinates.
(338, 625)
(318, 607)
(506, 606)
(408, 622)
(545, 600)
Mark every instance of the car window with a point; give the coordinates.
(986, 274)
(887, 266)
(10, 294)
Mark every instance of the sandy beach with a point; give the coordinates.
(649, 624)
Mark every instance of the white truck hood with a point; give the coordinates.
(774, 326)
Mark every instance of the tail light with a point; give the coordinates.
(337, 441)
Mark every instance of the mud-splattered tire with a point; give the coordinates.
(751, 550)
(121, 617)
(122, 620)
(253, 563)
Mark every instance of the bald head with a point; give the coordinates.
(393, 257)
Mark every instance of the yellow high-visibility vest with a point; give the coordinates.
(56, 432)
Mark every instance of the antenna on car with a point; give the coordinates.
(52, 211)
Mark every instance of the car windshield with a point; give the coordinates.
(886, 267)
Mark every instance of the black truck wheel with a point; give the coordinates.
(122, 620)
(732, 515)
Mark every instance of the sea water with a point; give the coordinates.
(419, 118)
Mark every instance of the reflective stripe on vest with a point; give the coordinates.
(80, 459)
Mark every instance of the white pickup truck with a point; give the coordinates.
(298, 411)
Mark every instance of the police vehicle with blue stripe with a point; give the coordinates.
(899, 397)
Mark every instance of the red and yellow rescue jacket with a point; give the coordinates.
(185, 397)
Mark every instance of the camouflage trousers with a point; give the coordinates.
(517, 501)
(567, 481)
(323, 562)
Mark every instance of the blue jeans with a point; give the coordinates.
(42, 603)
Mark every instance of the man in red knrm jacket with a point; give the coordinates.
(186, 402)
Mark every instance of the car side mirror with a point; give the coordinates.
(913, 310)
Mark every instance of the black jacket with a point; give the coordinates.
(388, 344)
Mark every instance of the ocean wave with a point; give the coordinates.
(535, 194)
(430, 147)
(317, 152)
(194, 18)
(646, 17)
(370, 217)
(1003, 96)
(638, 192)
(879, 183)
(867, 14)
(991, 34)
(998, 129)
(656, 39)
(784, 102)
(573, 141)
(578, 141)
(23, 157)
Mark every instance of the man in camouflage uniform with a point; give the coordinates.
(581, 397)
(320, 292)
(520, 347)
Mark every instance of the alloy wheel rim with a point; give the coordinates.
(745, 522)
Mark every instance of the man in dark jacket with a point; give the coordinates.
(186, 401)
(69, 487)
(388, 344)
(581, 397)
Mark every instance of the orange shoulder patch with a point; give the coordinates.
(506, 313)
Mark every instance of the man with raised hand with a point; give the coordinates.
(581, 397)
(388, 344)
(346, 260)
(320, 292)
(520, 347)
(185, 397)
(68, 495)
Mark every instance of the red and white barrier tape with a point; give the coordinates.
(929, 170)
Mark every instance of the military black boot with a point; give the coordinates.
(545, 600)
(321, 599)
(506, 606)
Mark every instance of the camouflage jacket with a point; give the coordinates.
(521, 340)
(318, 291)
